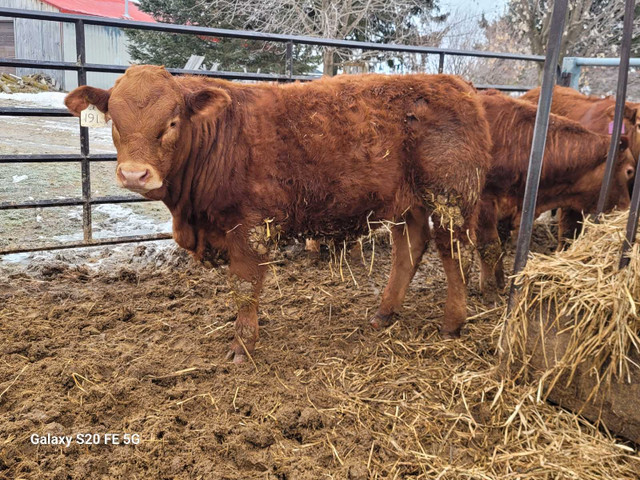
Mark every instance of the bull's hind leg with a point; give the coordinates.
(409, 243)
(569, 226)
(456, 253)
(245, 284)
(490, 250)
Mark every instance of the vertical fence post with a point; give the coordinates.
(621, 93)
(289, 57)
(539, 140)
(441, 63)
(84, 137)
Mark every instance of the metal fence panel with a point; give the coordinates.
(80, 25)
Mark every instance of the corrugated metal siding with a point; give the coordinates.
(36, 40)
(106, 45)
(7, 44)
(53, 41)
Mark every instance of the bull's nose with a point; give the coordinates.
(133, 179)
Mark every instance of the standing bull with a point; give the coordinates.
(241, 167)
(572, 171)
(596, 114)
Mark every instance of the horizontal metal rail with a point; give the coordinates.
(96, 242)
(48, 65)
(504, 88)
(571, 67)
(92, 67)
(33, 112)
(70, 202)
(56, 158)
(102, 68)
(248, 35)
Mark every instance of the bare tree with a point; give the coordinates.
(397, 21)
(592, 27)
(465, 32)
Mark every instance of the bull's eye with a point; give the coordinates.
(172, 124)
(630, 171)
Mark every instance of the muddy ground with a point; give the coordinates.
(134, 343)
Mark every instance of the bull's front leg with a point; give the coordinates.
(409, 243)
(245, 283)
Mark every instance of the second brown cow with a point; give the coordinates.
(596, 114)
(243, 166)
(572, 171)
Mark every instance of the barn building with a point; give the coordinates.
(53, 41)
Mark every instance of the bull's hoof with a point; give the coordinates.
(380, 320)
(450, 334)
(237, 352)
(237, 358)
(491, 295)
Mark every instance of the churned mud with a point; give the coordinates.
(136, 346)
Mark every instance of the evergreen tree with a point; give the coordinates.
(384, 21)
(227, 54)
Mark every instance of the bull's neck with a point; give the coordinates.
(204, 184)
(573, 159)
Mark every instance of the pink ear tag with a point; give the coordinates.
(611, 128)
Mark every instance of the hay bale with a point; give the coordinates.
(575, 328)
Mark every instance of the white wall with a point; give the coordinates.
(104, 45)
(35, 39)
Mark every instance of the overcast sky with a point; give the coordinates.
(491, 8)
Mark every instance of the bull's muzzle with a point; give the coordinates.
(137, 178)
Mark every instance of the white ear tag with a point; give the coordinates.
(92, 117)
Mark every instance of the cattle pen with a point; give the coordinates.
(113, 365)
(86, 158)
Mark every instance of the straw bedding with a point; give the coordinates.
(583, 294)
(141, 350)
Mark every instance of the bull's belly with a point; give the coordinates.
(340, 228)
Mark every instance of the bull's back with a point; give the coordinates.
(590, 112)
(348, 146)
(570, 148)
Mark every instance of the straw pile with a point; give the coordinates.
(581, 293)
(35, 83)
(428, 409)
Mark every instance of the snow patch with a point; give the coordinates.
(41, 99)
(19, 178)
(123, 221)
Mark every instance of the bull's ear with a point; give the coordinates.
(82, 97)
(208, 102)
(630, 114)
(624, 143)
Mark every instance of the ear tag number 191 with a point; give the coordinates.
(92, 117)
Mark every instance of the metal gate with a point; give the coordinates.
(81, 67)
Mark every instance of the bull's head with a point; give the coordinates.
(624, 174)
(152, 116)
(631, 125)
(589, 184)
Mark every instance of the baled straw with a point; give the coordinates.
(582, 292)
